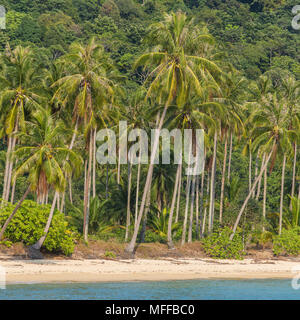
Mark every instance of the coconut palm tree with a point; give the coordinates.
(176, 59)
(270, 135)
(43, 160)
(18, 97)
(88, 88)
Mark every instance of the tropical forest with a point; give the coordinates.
(70, 68)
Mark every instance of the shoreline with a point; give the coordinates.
(90, 271)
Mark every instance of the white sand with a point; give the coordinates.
(24, 271)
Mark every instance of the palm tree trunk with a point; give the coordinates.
(294, 174)
(205, 210)
(74, 135)
(128, 199)
(265, 196)
(40, 242)
(10, 169)
(263, 168)
(187, 198)
(70, 190)
(212, 187)
(201, 203)
(170, 223)
(62, 205)
(88, 190)
(190, 233)
(94, 163)
(14, 212)
(282, 193)
(119, 167)
(7, 164)
(230, 157)
(259, 182)
(179, 196)
(255, 174)
(197, 207)
(223, 181)
(130, 248)
(12, 197)
(147, 208)
(85, 194)
(137, 192)
(250, 170)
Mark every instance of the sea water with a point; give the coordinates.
(167, 290)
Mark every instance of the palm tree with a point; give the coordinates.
(89, 89)
(43, 159)
(175, 61)
(17, 97)
(271, 135)
(291, 92)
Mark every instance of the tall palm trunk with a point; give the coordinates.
(201, 204)
(294, 174)
(187, 198)
(87, 191)
(130, 248)
(282, 193)
(263, 168)
(205, 209)
(7, 164)
(259, 182)
(14, 212)
(179, 195)
(250, 170)
(119, 167)
(223, 181)
(197, 207)
(170, 222)
(144, 226)
(255, 174)
(265, 195)
(230, 157)
(212, 187)
(10, 169)
(40, 242)
(137, 192)
(94, 163)
(70, 190)
(128, 199)
(190, 233)
(13, 190)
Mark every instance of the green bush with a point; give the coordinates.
(218, 245)
(152, 237)
(288, 242)
(28, 224)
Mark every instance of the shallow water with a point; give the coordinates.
(167, 290)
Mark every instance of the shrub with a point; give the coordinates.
(218, 245)
(28, 224)
(152, 237)
(288, 242)
(109, 254)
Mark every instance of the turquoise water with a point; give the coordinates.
(168, 290)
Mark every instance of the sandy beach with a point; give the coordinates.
(40, 271)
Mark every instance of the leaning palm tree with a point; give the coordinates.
(43, 160)
(271, 136)
(88, 88)
(18, 98)
(179, 57)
